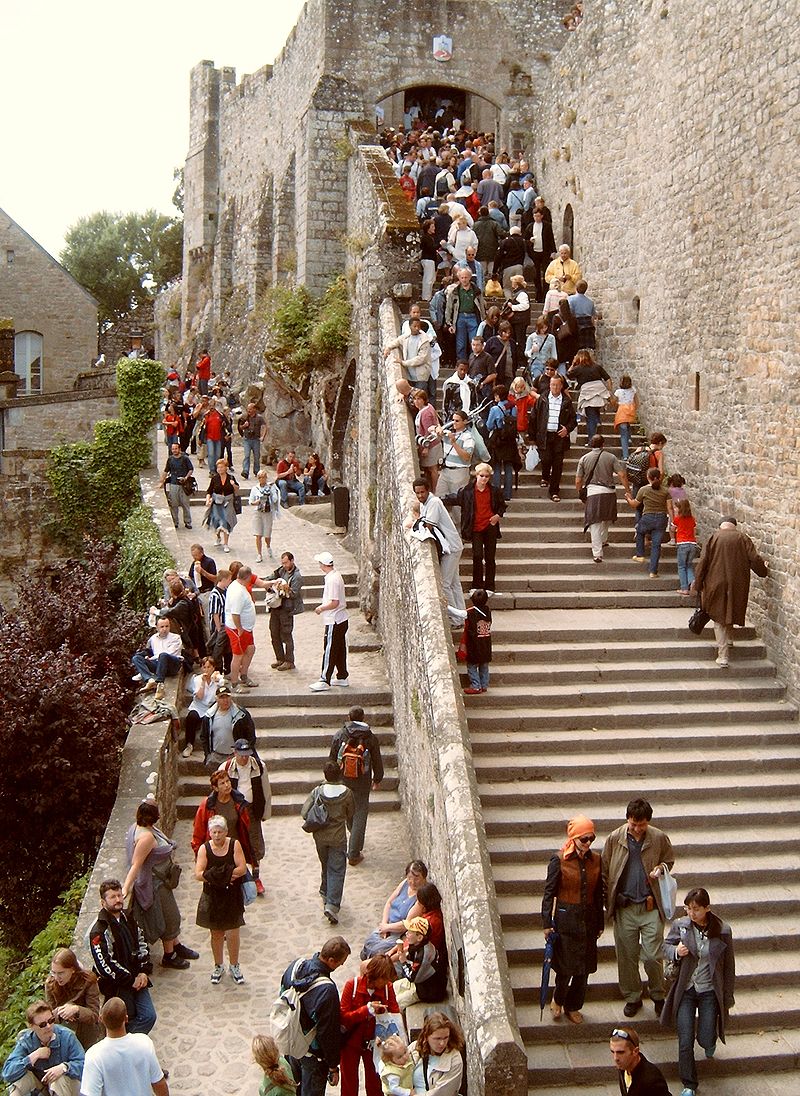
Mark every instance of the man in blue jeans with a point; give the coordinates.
(253, 428)
(164, 660)
(357, 752)
(122, 959)
(463, 311)
(319, 1008)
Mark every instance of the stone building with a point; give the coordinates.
(265, 175)
(54, 318)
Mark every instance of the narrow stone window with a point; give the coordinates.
(696, 404)
(636, 305)
(10, 256)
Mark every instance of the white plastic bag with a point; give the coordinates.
(668, 886)
(531, 458)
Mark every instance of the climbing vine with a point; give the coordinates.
(143, 558)
(306, 332)
(96, 483)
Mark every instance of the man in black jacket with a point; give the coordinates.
(121, 958)
(637, 1076)
(357, 752)
(552, 421)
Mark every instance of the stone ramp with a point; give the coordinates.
(599, 692)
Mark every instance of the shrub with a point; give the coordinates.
(65, 666)
(25, 979)
(143, 558)
(305, 332)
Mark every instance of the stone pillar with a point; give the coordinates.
(6, 345)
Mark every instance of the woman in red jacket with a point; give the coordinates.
(363, 999)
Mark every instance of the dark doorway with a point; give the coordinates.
(568, 229)
(434, 106)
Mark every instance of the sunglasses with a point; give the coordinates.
(618, 1033)
(587, 839)
(45, 1023)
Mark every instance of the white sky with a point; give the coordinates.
(95, 98)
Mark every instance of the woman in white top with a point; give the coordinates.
(540, 348)
(459, 238)
(267, 500)
(203, 687)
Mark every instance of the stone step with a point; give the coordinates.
(509, 820)
(380, 800)
(758, 971)
(651, 597)
(574, 629)
(291, 780)
(602, 741)
(332, 701)
(541, 673)
(585, 788)
(625, 581)
(290, 738)
(523, 911)
(754, 934)
(716, 873)
(290, 757)
(728, 685)
(685, 762)
(622, 716)
(507, 650)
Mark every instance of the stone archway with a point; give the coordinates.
(568, 229)
(479, 112)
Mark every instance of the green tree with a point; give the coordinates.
(123, 259)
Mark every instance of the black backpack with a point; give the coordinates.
(506, 432)
(442, 185)
(637, 466)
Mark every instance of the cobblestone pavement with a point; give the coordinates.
(203, 1032)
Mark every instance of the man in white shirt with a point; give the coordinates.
(333, 611)
(164, 660)
(122, 1064)
(240, 620)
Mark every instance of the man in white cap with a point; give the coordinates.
(333, 611)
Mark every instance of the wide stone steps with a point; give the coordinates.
(286, 803)
(661, 691)
(570, 676)
(482, 715)
(606, 656)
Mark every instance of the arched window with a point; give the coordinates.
(567, 231)
(28, 352)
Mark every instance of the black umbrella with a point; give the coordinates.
(547, 965)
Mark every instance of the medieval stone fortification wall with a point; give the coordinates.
(671, 131)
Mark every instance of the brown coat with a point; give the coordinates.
(722, 577)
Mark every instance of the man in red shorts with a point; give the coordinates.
(240, 621)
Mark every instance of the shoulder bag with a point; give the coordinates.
(317, 817)
(583, 493)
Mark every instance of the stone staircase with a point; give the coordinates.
(294, 726)
(586, 709)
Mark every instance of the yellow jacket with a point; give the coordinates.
(567, 274)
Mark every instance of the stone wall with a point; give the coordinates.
(25, 501)
(116, 341)
(38, 294)
(40, 422)
(438, 783)
(671, 131)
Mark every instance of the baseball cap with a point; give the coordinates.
(326, 558)
(241, 745)
(224, 689)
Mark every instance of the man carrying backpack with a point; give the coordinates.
(357, 752)
(311, 1036)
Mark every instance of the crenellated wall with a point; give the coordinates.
(671, 130)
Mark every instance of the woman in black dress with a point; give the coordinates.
(221, 867)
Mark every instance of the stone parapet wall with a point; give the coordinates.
(438, 783)
(40, 422)
(670, 131)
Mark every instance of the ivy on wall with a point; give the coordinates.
(306, 332)
(96, 483)
(143, 558)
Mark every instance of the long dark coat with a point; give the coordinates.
(721, 961)
(722, 576)
(577, 923)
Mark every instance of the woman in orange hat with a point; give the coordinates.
(572, 906)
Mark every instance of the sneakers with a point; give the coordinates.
(638, 559)
(173, 961)
(248, 681)
(342, 682)
(275, 665)
(723, 662)
(236, 974)
(285, 666)
(688, 1092)
(260, 888)
(159, 694)
(331, 915)
(259, 559)
(240, 688)
(136, 677)
(632, 1008)
(187, 750)
(226, 548)
(270, 553)
(319, 686)
(216, 974)
(653, 574)
(186, 953)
